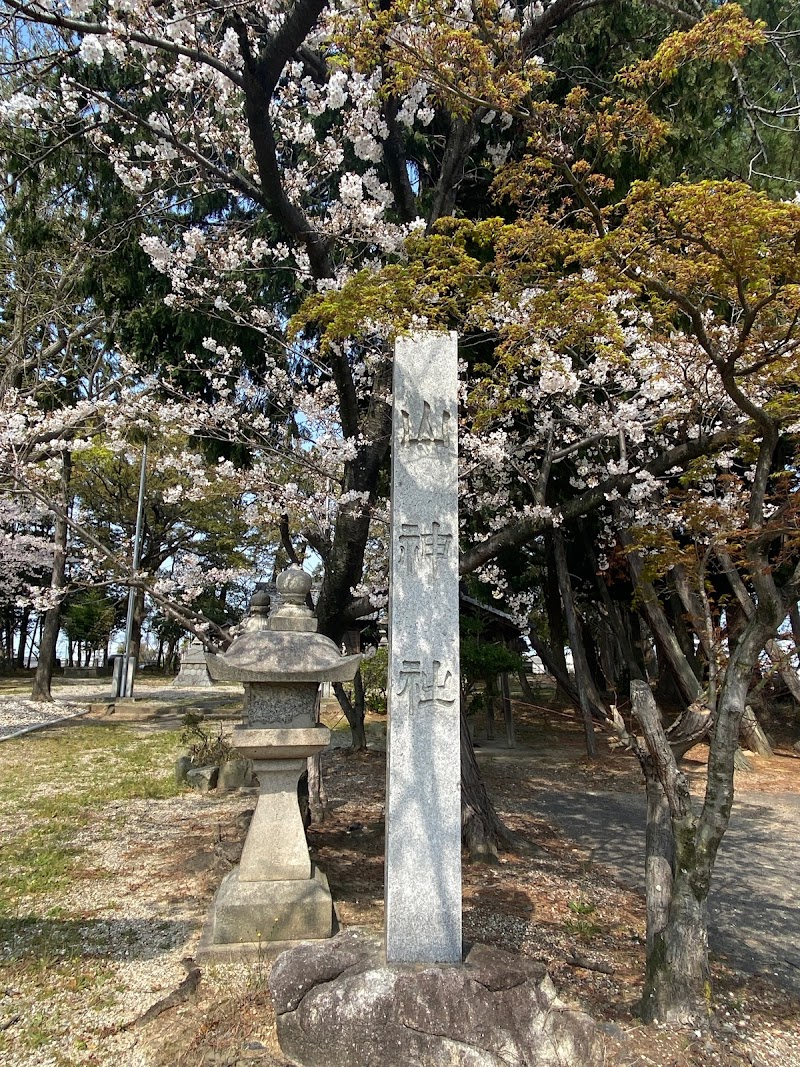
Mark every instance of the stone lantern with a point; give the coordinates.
(275, 894)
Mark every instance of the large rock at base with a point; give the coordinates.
(338, 1004)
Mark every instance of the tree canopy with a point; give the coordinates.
(216, 219)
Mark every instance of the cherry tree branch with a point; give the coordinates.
(522, 530)
(228, 177)
(36, 14)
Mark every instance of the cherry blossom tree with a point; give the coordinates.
(324, 175)
(643, 372)
(288, 149)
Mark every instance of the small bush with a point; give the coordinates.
(375, 675)
(203, 745)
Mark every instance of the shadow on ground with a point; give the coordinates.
(754, 910)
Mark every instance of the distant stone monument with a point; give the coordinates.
(275, 894)
(423, 804)
(193, 666)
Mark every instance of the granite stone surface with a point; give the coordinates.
(254, 912)
(276, 849)
(279, 705)
(423, 808)
(281, 656)
(280, 659)
(339, 1005)
(276, 743)
(193, 667)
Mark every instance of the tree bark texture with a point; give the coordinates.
(659, 857)
(555, 617)
(693, 609)
(677, 978)
(354, 710)
(616, 641)
(774, 651)
(677, 981)
(24, 620)
(525, 686)
(482, 831)
(51, 624)
(656, 618)
(752, 736)
(587, 692)
(563, 680)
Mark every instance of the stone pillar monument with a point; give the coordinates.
(423, 805)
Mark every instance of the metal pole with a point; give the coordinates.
(126, 681)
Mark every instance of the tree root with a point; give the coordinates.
(173, 999)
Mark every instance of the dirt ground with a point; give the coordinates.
(545, 899)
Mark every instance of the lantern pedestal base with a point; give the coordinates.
(248, 917)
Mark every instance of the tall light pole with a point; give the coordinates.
(129, 660)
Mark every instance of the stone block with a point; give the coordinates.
(87, 672)
(276, 848)
(275, 743)
(280, 705)
(183, 764)
(255, 912)
(192, 676)
(203, 778)
(232, 775)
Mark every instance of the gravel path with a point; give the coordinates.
(754, 904)
(19, 715)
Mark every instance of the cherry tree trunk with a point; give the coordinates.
(482, 831)
(354, 711)
(566, 684)
(555, 618)
(659, 858)
(678, 864)
(52, 619)
(656, 618)
(7, 650)
(587, 691)
(677, 977)
(752, 736)
(24, 620)
(525, 686)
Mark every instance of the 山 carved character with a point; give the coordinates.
(429, 429)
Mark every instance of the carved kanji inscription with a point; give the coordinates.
(427, 688)
(423, 547)
(427, 427)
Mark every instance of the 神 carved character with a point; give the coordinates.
(417, 545)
